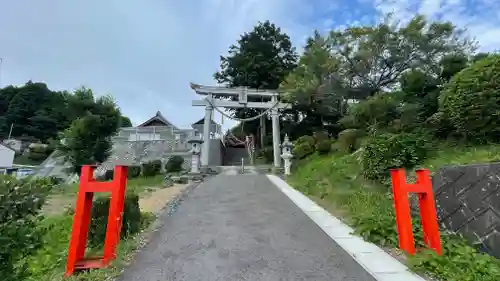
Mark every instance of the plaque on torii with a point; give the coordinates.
(242, 93)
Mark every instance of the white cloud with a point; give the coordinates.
(145, 53)
(481, 18)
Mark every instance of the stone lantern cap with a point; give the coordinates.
(287, 142)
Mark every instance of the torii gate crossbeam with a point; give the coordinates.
(209, 102)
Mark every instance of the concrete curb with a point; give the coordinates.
(381, 265)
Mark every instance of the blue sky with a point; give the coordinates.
(146, 52)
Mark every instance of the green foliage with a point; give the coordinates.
(459, 261)
(386, 151)
(260, 59)
(323, 147)
(38, 113)
(471, 100)
(336, 182)
(133, 172)
(88, 139)
(267, 154)
(149, 170)
(131, 222)
(320, 136)
(349, 140)
(301, 151)
(305, 140)
(174, 164)
(108, 175)
(156, 166)
(20, 203)
(374, 113)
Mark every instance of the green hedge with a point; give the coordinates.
(149, 170)
(133, 172)
(20, 203)
(471, 100)
(386, 151)
(131, 222)
(349, 140)
(174, 164)
(324, 147)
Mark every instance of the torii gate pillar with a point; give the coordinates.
(205, 153)
(241, 93)
(276, 134)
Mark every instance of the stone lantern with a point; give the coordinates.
(286, 154)
(195, 154)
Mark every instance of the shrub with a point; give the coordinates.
(439, 125)
(324, 147)
(156, 166)
(131, 222)
(375, 112)
(133, 172)
(303, 150)
(148, 170)
(386, 151)
(471, 100)
(174, 164)
(267, 154)
(305, 139)
(320, 136)
(20, 203)
(108, 175)
(349, 140)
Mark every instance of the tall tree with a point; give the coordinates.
(306, 88)
(88, 139)
(375, 57)
(261, 59)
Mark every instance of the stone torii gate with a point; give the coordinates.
(210, 103)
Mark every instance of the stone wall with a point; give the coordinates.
(468, 202)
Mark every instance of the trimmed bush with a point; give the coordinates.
(156, 166)
(133, 172)
(148, 170)
(349, 140)
(324, 147)
(384, 152)
(174, 164)
(375, 112)
(305, 139)
(471, 100)
(20, 204)
(108, 175)
(320, 136)
(131, 222)
(303, 150)
(267, 154)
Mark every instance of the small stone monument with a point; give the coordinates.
(286, 154)
(195, 154)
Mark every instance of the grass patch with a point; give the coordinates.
(336, 183)
(49, 262)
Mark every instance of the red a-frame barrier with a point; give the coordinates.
(423, 187)
(88, 186)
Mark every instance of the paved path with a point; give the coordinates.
(241, 227)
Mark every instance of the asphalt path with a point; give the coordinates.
(241, 227)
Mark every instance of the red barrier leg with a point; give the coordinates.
(115, 214)
(428, 213)
(88, 186)
(403, 212)
(423, 188)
